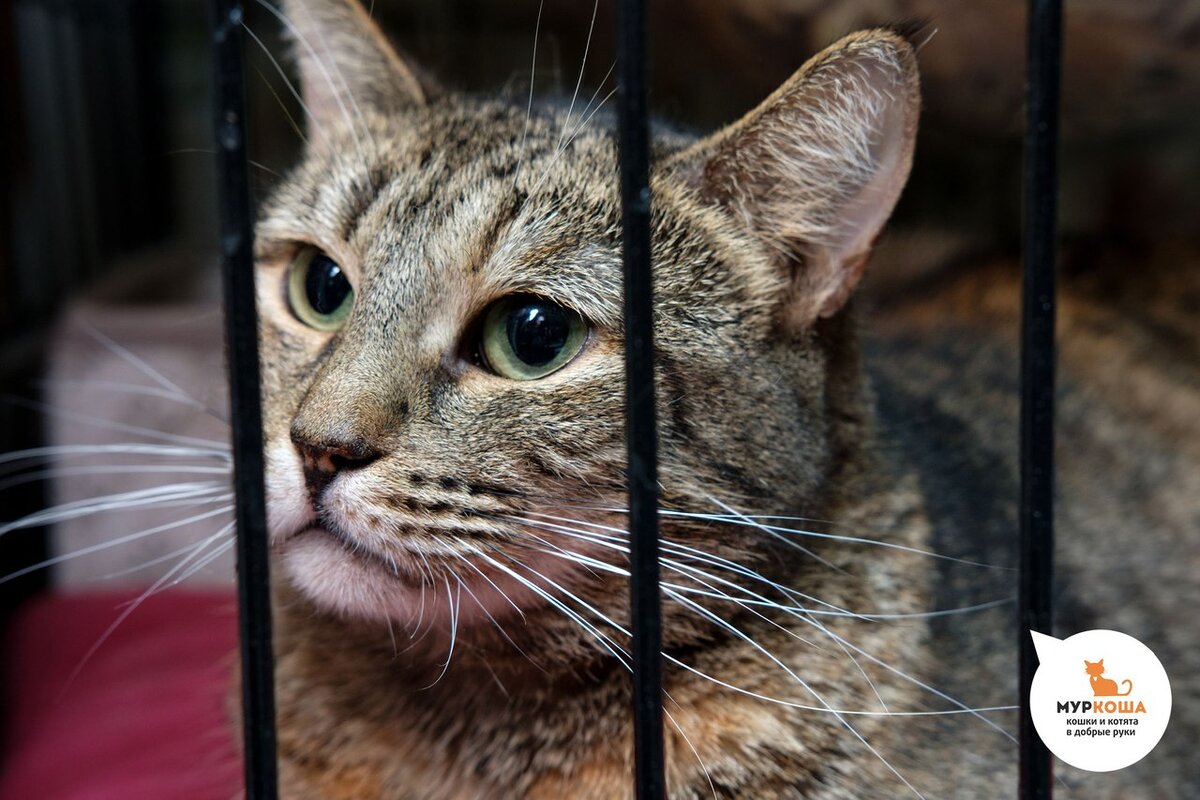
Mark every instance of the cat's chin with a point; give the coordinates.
(351, 581)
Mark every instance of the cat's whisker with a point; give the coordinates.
(587, 46)
(40, 454)
(336, 90)
(128, 388)
(204, 492)
(861, 540)
(132, 606)
(870, 617)
(559, 153)
(805, 616)
(617, 652)
(537, 29)
(858, 540)
(132, 537)
(391, 628)
(588, 112)
(674, 566)
(453, 608)
(625, 632)
(220, 550)
(224, 531)
(775, 535)
(291, 87)
(607, 643)
(104, 424)
(292, 122)
(845, 723)
(129, 357)
(936, 692)
(491, 583)
(55, 473)
(483, 607)
(554, 602)
(186, 151)
(684, 551)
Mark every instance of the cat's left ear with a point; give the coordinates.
(816, 169)
(346, 62)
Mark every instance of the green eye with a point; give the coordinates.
(526, 337)
(318, 292)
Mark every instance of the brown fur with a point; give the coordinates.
(437, 205)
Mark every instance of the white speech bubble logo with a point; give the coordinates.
(1100, 699)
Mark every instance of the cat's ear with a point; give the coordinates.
(346, 62)
(816, 169)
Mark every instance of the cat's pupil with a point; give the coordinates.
(537, 332)
(325, 285)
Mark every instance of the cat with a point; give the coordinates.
(1101, 686)
(439, 283)
(441, 336)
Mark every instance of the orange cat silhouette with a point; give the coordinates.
(1104, 687)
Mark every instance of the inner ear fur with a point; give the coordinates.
(816, 169)
(346, 63)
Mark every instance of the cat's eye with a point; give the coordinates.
(526, 337)
(319, 293)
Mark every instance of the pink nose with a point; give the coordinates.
(324, 459)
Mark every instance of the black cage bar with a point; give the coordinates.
(241, 319)
(1037, 392)
(1035, 592)
(640, 423)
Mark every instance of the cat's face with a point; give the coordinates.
(440, 285)
(1094, 669)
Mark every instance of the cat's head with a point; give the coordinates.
(1094, 669)
(440, 286)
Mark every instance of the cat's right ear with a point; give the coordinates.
(816, 169)
(346, 62)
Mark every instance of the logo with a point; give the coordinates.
(1105, 687)
(1088, 712)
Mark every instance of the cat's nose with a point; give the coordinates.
(323, 457)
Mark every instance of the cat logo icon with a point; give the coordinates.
(1115, 724)
(1101, 686)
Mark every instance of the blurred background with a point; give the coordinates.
(108, 209)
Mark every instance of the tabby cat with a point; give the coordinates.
(440, 287)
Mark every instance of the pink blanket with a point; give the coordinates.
(145, 717)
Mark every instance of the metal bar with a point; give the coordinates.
(1043, 70)
(640, 423)
(241, 335)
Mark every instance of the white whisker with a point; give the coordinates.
(142, 534)
(537, 29)
(123, 448)
(132, 469)
(587, 46)
(156, 496)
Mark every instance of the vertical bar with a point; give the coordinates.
(241, 334)
(640, 423)
(1043, 68)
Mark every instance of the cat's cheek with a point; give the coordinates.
(288, 506)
